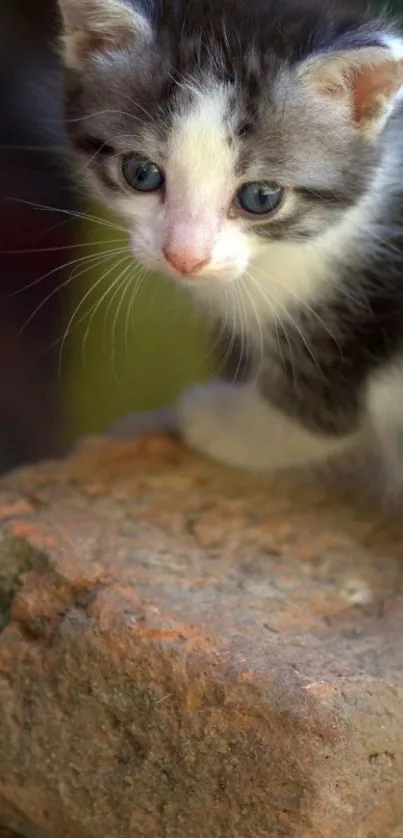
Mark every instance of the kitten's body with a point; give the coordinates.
(219, 93)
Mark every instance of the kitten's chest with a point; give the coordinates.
(281, 286)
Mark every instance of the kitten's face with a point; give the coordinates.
(212, 147)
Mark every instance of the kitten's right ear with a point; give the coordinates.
(364, 81)
(94, 26)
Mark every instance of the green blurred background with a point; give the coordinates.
(132, 344)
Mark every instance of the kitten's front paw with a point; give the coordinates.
(142, 422)
(205, 421)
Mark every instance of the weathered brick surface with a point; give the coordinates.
(186, 651)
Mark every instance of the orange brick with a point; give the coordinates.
(189, 651)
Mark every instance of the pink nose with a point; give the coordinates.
(185, 261)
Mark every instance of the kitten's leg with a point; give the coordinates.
(235, 425)
(385, 413)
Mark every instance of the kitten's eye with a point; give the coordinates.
(141, 173)
(259, 198)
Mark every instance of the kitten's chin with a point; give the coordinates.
(207, 283)
(211, 275)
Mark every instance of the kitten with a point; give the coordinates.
(254, 150)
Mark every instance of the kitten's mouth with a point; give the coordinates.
(206, 275)
(190, 279)
(197, 271)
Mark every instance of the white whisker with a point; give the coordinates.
(258, 322)
(88, 264)
(85, 297)
(300, 302)
(139, 276)
(61, 247)
(278, 323)
(83, 216)
(294, 323)
(124, 287)
(101, 300)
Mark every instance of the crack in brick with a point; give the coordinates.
(17, 557)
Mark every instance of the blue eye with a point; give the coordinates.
(259, 198)
(141, 173)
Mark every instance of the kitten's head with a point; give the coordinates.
(215, 127)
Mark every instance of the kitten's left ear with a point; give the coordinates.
(364, 81)
(93, 26)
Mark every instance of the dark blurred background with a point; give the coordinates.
(74, 352)
(30, 404)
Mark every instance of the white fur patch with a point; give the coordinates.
(200, 181)
(395, 45)
(385, 414)
(201, 161)
(199, 166)
(282, 276)
(235, 425)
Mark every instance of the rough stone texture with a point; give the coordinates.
(186, 651)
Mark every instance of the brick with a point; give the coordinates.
(190, 651)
